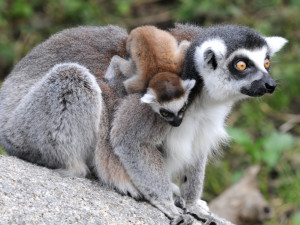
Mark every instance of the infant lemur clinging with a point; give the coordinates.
(156, 60)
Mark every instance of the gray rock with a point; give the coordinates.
(31, 194)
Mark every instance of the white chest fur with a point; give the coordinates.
(201, 132)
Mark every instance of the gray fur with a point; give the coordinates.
(40, 127)
(50, 115)
(134, 140)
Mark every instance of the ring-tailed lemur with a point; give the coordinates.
(57, 115)
(229, 63)
(151, 51)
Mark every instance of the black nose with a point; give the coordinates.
(176, 122)
(270, 86)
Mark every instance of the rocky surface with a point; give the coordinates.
(30, 194)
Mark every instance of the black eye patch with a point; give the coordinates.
(235, 70)
(183, 108)
(166, 113)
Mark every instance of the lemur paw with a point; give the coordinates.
(180, 202)
(184, 219)
(206, 217)
(110, 72)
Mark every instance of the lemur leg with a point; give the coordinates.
(179, 201)
(192, 183)
(145, 166)
(135, 84)
(175, 189)
(191, 190)
(57, 123)
(127, 67)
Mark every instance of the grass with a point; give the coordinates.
(2, 152)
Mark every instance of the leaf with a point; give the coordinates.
(240, 136)
(277, 142)
(2, 152)
(296, 218)
(236, 176)
(270, 158)
(274, 145)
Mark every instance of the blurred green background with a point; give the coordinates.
(265, 131)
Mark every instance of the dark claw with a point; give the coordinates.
(182, 220)
(180, 203)
(211, 219)
(197, 217)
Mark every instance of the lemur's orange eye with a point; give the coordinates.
(241, 65)
(267, 63)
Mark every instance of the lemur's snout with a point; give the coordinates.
(270, 86)
(260, 87)
(176, 122)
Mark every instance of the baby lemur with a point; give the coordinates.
(151, 51)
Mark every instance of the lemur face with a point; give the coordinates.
(173, 109)
(252, 67)
(232, 70)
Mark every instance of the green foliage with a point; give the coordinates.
(265, 150)
(296, 218)
(2, 152)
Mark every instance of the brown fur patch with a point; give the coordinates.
(154, 51)
(167, 86)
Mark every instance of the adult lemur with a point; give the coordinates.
(53, 110)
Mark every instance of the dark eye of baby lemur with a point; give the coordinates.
(165, 113)
(183, 109)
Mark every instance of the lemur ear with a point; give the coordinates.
(188, 84)
(275, 43)
(149, 97)
(210, 53)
